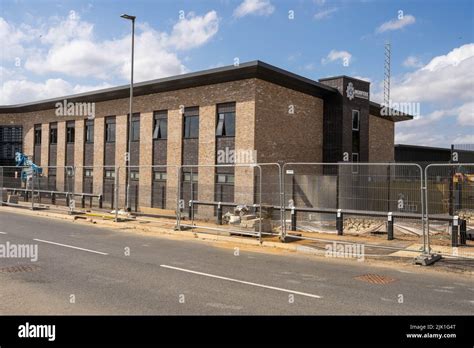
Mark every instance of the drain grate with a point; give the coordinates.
(375, 279)
(19, 268)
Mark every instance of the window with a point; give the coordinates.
(135, 131)
(225, 178)
(70, 132)
(191, 123)
(53, 134)
(160, 176)
(88, 173)
(355, 120)
(110, 129)
(109, 173)
(38, 134)
(160, 127)
(191, 127)
(187, 177)
(89, 131)
(134, 175)
(225, 120)
(69, 171)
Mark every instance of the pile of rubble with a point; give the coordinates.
(360, 225)
(243, 218)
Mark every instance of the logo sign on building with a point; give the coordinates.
(351, 92)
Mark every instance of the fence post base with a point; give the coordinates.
(389, 226)
(426, 259)
(454, 231)
(293, 219)
(340, 222)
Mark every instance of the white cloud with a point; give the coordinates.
(194, 31)
(325, 13)
(344, 56)
(67, 46)
(445, 85)
(68, 29)
(254, 7)
(79, 55)
(18, 91)
(396, 24)
(448, 79)
(464, 139)
(466, 114)
(412, 62)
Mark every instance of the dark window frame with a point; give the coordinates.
(89, 128)
(38, 135)
(160, 125)
(135, 127)
(356, 112)
(225, 120)
(53, 134)
(70, 132)
(110, 129)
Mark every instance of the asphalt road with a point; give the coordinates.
(84, 269)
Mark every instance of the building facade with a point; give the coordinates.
(192, 120)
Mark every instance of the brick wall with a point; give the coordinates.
(381, 140)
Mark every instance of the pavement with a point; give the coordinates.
(88, 269)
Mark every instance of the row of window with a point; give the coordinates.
(225, 126)
(162, 176)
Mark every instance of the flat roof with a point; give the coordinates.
(253, 69)
(342, 77)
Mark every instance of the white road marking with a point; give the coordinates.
(70, 246)
(3, 233)
(241, 281)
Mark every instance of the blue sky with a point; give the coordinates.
(55, 48)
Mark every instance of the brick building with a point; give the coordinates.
(188, 119)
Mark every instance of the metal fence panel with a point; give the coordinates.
(374, 201)
(450, 207)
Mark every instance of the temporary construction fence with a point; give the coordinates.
(364, 202)
(450, 209)
(354, 199)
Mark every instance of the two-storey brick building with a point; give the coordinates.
(189, 119)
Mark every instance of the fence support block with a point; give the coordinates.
(340, 222)
(462, 232)
(454, 231)
(389, 226)
(293, 219)
(219, 213)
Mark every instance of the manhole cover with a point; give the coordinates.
(375, 279)
(19, 268)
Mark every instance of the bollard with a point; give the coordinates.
(454, 231)
(100, 201)
(67, 199)
(340, 222)
(191, 213)
(462, 232)
(219, 213)
(53, 198)
(389, 226)
(293, 219)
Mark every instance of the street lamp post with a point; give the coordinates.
(127, 161)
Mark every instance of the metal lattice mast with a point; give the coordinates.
(386, 79)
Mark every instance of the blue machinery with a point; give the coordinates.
(30, 168)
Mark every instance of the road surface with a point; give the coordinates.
(84, 269)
